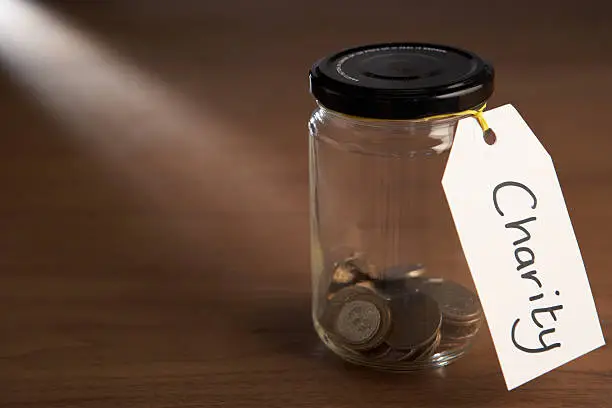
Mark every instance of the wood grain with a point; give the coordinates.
(154, 251)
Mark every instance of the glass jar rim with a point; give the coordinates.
(376, 122)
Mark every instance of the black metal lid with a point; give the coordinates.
(401, 81)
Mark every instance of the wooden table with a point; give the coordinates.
(153, 169)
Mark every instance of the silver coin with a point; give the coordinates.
(334, 288)
(394, 356)
(358, 321)
(346, 272)
(359, 261)
(401, 272)
(430, 350)
(344, 275)
(337, 295)
(377, 353)
(477, 320)
(357, 317)
(425, 350)
(391, 288)
(416, 321)
(394, 287)
(456, 302)
(460, 332)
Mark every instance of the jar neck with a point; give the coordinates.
(416, 124)
(396, 138)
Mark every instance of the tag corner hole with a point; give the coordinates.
(489, 137)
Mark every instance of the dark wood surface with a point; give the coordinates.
(153, 172)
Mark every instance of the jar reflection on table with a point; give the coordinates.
(391, 288)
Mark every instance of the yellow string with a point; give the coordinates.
(477, 113)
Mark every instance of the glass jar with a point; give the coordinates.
(390, 285)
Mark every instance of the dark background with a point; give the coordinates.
(153, 208)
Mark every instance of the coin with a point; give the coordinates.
(401, 272)
(400, 355)
(377, 353)
(334, 288)
(357, 318)
(460, 332)
(390, 288)
(425, 350)
(347, 272)
(462, 323)
(366, 284)
(456, 302)
(416, 319)
(358, 321)
(333, 304)
(394, 288)
(430, 349)
(362, 265)
(395, 279)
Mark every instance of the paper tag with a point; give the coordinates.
(520, 247)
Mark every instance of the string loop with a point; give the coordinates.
(476, 113)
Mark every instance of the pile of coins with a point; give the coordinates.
(398, 315)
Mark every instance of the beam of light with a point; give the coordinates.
(118, 110)
(174, 155)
